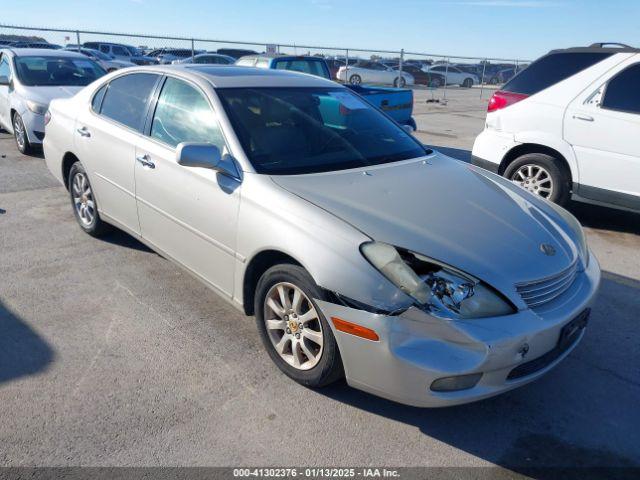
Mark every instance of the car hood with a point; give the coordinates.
(44, 95)
(449, 211)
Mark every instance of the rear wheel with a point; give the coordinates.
(84, 203)
(355, 79)
(293, 329)
(399, 82)
(541, 175)
(20, 135)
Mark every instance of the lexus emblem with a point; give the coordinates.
(547, 249)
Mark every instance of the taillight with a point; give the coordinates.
(47, 117)
(501, 100)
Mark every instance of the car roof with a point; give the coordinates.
(599, 47)
(229, 76)
(42, 52)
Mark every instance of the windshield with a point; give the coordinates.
(287, 131)
(134, 51)
(304, 65)
(57, 71)
(98, 54)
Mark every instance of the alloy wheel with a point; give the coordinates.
(83, 199)
(293, 326)
(535, 179)
(19, 132)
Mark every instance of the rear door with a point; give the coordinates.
(105, 138)
(188, 213)
(602, 125)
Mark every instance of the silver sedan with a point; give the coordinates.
(360, 252)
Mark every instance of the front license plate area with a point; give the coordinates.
(571, 330)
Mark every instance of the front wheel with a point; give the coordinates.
(541, 175)
(468, 83)
(399, 82)
(85, 207)
(293, 329)
(20, 135)
(355, 80)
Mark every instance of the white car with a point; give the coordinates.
(454, 75)
(366, 71)
(30, 79)
(568, 126)
(107, 62)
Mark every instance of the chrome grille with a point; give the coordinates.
(538, 292)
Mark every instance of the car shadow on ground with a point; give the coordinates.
(584, 413)
(603, 218)
(123, 239)
(22, 351)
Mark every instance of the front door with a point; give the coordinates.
(602, 125)
(189, 213)
(5, 71)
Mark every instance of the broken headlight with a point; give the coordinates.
(439, 289)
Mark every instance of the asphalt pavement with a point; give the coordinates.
(111, 355)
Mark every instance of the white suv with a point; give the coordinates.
(569, 126)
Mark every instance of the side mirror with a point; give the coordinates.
(4, 80)
(205, 155)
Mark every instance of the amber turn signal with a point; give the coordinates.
(354, 329)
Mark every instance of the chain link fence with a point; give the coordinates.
(438, 74)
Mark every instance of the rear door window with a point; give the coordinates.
(623, 91)
(127, 98)
(551, 69)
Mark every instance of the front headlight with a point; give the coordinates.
(36, 107)
(574, 225)
(441, 290)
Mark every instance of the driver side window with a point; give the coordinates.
(183, 114)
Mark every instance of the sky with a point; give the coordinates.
(514, 29)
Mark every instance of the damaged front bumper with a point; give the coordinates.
(415, 348)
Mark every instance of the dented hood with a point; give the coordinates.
(449, 211)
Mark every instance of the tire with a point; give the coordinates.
(326, 366)
(468, 83)
(551, 175)
(436, 83)
(83, 202)
(399, 82)
(355, 79)
(20, 135)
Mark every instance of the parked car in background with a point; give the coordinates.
(420, 77)
(298, 63)
(42, 45)
(236, 52)
(107, 62)
(208, 58)
(504, 75)
(361, 253)
(30, 79)
(122, 52)
(397, 103)
(454, 76)
(168, 55)
(334, 65)
(366, 71)
(567, 126)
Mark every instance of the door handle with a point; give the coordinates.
(145, 161)
(586, 118)
(84, 132)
